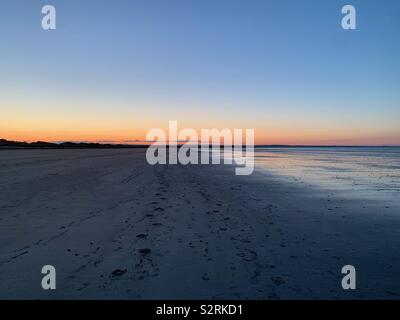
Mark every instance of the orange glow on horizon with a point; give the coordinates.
(130, 129)
(262, 137)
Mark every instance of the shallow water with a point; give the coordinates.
(370, 173)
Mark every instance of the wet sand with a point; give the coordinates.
(117, 228)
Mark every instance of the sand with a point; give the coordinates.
(116, 228)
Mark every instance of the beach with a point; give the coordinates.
(115, 227)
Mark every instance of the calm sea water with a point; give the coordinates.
(372, 173)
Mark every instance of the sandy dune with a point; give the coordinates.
(116, 228)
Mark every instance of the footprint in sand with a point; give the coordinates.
(248, 255)
(119, 272)
(277, 281)
(145, 251)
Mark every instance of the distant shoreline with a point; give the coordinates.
(7, 145)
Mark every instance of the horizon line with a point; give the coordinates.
(125, 144)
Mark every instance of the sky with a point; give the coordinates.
(112, 70)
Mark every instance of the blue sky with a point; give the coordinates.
(270, 65)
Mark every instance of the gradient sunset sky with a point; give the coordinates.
(114, 69)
